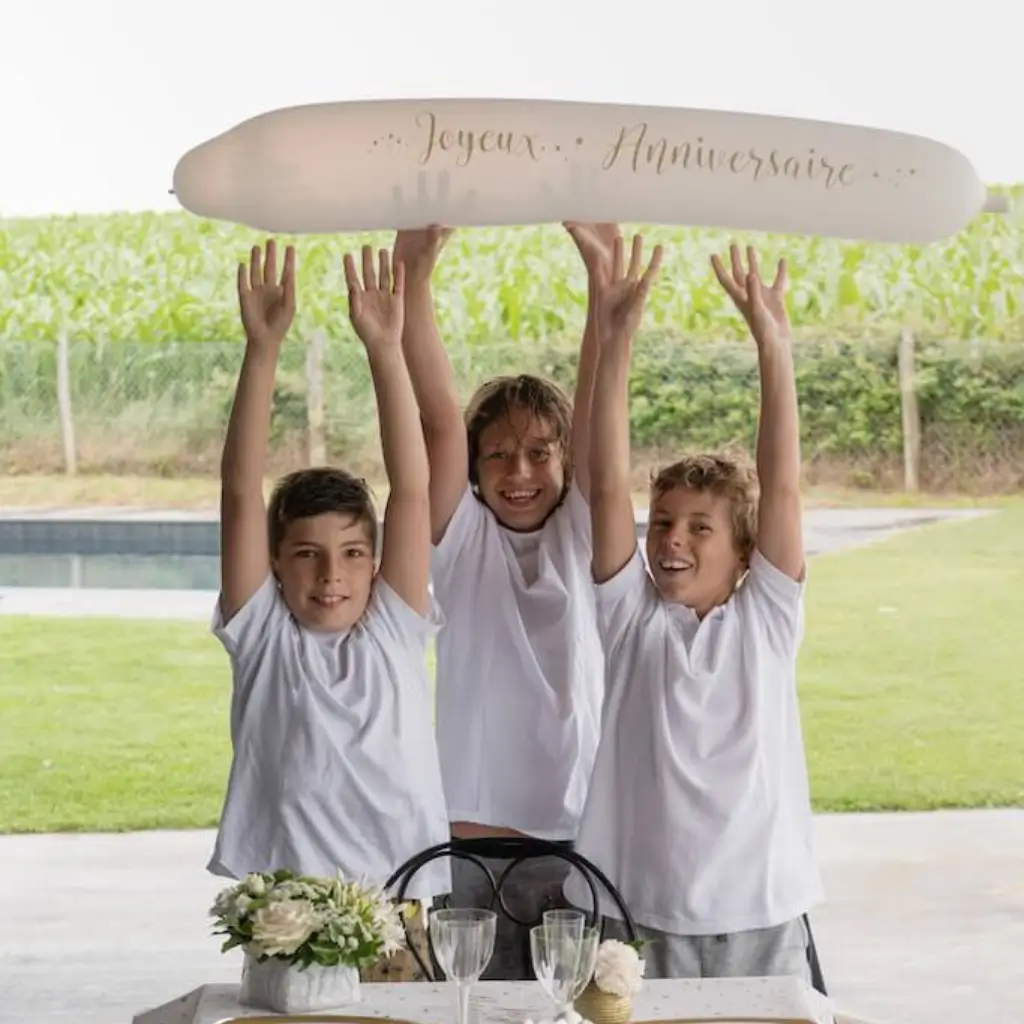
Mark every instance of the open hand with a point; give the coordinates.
(418, 250)
(376, 307)
(764, 309)
(622, 292)
(596, 244)
(267, 305)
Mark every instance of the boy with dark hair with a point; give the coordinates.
(335, 764)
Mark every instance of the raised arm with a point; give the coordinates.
(377, 310)
(267, 308)
(779, 522)
(620, 297)
(433, 381)
(596, 243)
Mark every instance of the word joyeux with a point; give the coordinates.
(635, 147)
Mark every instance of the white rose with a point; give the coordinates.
(281, 927)
(619, 970)
(255, 885)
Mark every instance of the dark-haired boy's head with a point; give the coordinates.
(322, 527)
(520, 448)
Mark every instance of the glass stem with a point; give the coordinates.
(462, 995)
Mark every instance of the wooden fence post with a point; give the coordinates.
(67, 423)
(315, 399)
(911, 413)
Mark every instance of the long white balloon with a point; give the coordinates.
(391, 164)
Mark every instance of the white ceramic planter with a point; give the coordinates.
(282, 988)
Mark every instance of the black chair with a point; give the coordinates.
(518, 850)
(817, 976)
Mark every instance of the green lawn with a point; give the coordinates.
(911, 686)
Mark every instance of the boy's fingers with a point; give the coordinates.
(369, 277)
(636, 256)
(653, 268)
(288, 277)
(738, 274)
(270, 269)
(351, 277)
(618, 257)
(255, 268)
(781, 277)
(725, 280)
(753, 264)
(754, 290)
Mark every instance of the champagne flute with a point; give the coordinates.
(556, 963)
(463, 941)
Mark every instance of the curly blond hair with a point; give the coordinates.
(731, 476)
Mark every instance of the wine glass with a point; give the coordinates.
(571, 922)
(590, 941)
(463, 941)
(556, 963)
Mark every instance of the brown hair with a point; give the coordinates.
(728, 476)
(498, 397)
(314, 492)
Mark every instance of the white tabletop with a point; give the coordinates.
(724, 999)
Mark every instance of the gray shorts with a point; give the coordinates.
(535, 885)
(760, 953)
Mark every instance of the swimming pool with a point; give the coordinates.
(121, 551)
(168, 551)
(110, 572)
(109, 554)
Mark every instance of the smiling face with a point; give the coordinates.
(325, 565)
(691, 548)
(520, 469)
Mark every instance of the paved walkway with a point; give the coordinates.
(923, 924)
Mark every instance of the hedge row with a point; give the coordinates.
(176, 397)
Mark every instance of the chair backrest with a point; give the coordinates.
(517, 850)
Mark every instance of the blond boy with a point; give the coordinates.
(698, 807)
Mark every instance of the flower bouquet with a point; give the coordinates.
(618, 976)
(305, 939)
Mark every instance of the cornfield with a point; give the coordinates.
(150, 278)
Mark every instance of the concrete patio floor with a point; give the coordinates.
(923, 924)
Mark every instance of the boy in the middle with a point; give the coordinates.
(520, 672)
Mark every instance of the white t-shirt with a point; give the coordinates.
(520, 672)
(335, 763)
(699, 809)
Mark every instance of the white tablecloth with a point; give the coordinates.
(724, 999)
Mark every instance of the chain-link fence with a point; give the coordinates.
(886, 412)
